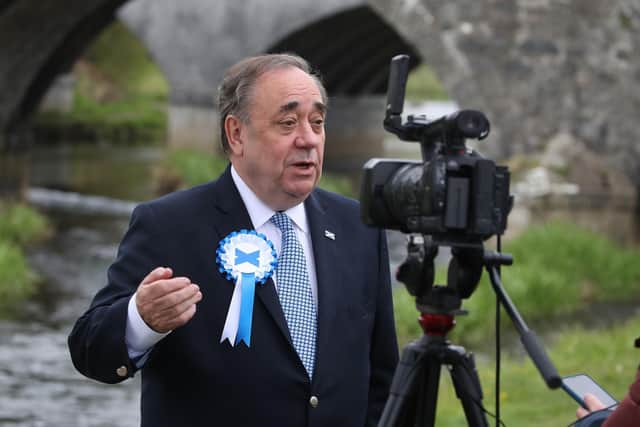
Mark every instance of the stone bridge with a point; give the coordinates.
(538, 68)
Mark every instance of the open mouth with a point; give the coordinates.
(303, 165)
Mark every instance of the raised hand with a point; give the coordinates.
(166, 302)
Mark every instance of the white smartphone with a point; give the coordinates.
(580, 384)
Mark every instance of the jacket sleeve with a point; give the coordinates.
(627, 414)
(384, 344)
(97, 340)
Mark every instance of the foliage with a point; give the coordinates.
(423, 84)
(19, 226)
(17, 280)
(337, 183)
(605, 354)
(129, 66)
(120, 94)
(185, 167)
(560, 270)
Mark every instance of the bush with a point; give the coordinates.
(559, 270)
(183, 168)
(17, 281)
(337, 183)
(120, 94)
(19, 226)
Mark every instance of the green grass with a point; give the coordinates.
(120, 94)
(183, 168)
(123, 59)
(605, 354)
(559, 271)
(423, 84)
(19, 227)
(337, 183)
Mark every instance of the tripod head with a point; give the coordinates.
(417, 273)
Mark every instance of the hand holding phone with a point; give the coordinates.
(579, 385)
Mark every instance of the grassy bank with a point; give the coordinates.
(605, 354)
(571, 286)
(560, 272)
(20, 226)
(424, 84)
(120, 94)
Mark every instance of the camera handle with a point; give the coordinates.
(532, 344)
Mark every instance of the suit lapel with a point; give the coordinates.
(231, 215)
(326, 260)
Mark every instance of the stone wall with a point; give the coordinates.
(538, 68)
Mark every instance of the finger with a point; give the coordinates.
(147, 297)
(592, 402)
(178, 310)
(157, 274)
(160, 288)
(184, 317)
(581, 412)
(169, 324)
(176, 298)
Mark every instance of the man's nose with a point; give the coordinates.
(308, 136)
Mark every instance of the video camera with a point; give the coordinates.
(454, 195)
(455, 198)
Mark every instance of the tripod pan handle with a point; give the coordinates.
(546, 368)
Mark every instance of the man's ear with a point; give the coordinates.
(233, 130)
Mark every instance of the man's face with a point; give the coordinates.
(279, 152)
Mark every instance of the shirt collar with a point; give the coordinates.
(260, 213)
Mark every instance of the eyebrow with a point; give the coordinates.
(290, 106)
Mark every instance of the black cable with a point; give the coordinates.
(499, 249)
(480, 405)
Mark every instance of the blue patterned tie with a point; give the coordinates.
(294, 291)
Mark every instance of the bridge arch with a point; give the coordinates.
(41, 39)
(354, 59)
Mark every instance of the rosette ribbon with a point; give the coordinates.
(247, 258)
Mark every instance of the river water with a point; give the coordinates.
(38, 384)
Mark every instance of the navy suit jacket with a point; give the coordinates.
(190, 378)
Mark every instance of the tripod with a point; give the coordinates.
(414, 389)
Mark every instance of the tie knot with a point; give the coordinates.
(282, 221)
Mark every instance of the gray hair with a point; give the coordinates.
(235, 91)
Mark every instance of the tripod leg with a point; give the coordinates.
(428, 394)
(414, 389)
(402, 386)
(467, 385)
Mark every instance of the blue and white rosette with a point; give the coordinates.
(247, 258)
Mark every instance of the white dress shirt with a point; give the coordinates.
(139, 337)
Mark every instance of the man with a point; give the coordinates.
(335, 368)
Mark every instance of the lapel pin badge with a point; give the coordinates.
(329, 235)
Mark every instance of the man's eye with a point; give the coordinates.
(288, 123)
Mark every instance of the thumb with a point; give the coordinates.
(157, 274)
